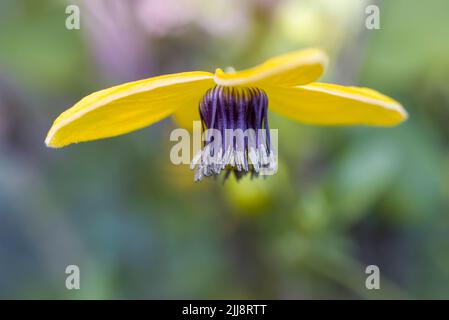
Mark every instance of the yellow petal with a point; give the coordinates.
(330, 104)
(184, 117)
(291, 69)
(128, 107)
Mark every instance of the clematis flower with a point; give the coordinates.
(228, 101)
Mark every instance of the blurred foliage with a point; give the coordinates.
(138, 227)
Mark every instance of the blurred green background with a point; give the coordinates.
(138, 227)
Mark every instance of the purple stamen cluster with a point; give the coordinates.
(236, 133)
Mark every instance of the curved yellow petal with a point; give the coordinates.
(128, 107)
(331, 104)
(291, 69)
(184, 117)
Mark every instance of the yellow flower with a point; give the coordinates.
(237, 100)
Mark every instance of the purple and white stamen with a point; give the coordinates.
(236, 133)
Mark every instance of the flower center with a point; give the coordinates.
(236, 134)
